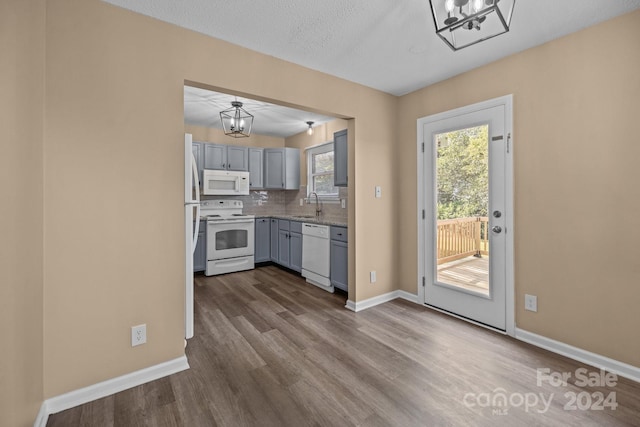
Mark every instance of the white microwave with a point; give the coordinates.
(224, 183)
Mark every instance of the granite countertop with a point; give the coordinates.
(311, 220)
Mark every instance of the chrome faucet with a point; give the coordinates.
(318, 204)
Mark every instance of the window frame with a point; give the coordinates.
(311, 151)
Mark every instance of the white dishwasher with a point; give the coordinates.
(315, 255)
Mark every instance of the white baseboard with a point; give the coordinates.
(107, 388)
(598, 361)
(380, 299)
(408, 296)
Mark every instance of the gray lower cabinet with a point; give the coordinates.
(284, 252)
(339, 258)
(274, 239)
(286, 243)
(262, 242)
(295, 251)
(200, 254)
(340, 159)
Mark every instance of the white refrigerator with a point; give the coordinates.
(191, 225)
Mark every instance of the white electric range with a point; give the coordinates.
(230, 236)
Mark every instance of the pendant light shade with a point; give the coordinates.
(236, 121)
(462, 23)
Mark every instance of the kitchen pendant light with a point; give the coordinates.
(462, 23)
(310, 130)
(236, 121)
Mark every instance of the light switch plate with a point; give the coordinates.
(378, 191)
(343, 203)
(372, 276)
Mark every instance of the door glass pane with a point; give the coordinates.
(231, 239)
(462, 188)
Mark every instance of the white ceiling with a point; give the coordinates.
(383, 44)
(202, 108)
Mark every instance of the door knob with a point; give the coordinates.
(497, 214)
(496, 229)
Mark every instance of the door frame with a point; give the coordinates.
(507, 102)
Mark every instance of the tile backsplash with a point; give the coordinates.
(281, 202)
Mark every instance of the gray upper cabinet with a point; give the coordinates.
(226, 157)
(340, 159)
(262, 248)
(237, 158)
(197, 149)
(256, 169)
(282, 168)
(215, 156)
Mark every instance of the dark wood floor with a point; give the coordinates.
(271, 350)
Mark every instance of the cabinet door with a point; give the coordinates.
(200, 254)
(256, 171)
(339, 265)
(215, 156)
(198, 152)
(291, 168)
(340, 158)
(283, 248)
(295, 251)
(274, 240)
(262, 252)
(237, 158)
(274, 168)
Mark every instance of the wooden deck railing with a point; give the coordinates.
(462, 237)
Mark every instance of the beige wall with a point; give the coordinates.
(21, 120)
(114, 126)
(576, 181)
(217, 136)
(113, 131)
(321, 134)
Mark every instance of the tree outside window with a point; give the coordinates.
(320, 171)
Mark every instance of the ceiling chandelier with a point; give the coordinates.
(462, 23)
(236, 121)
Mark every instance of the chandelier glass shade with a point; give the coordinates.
(236, 121)
(462, 23)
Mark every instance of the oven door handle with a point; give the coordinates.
(231, 221)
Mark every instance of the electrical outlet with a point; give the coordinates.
(301, 202)
(343, 203)
(378, 191)
(531, 302)
(138, 335)
(372, 276)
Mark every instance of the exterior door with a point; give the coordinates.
(467, 212)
